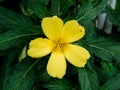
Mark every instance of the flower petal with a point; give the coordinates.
(72, 31)
(76, 55)
(52, 27)
(40, 47)
(56, 66)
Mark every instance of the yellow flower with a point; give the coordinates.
(58, 43)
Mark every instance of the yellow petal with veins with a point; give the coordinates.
(40, 47)
(56, 66)
(72, 31)
(76, 55)
(52, 27)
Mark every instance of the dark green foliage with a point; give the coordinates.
(88, 79)
(59, 7)
(112, 84)
(38, 7)
(7, 59)
(18, 37)
(1, 0)
(22, 76)
(12, 20)
(59, 85)
(113, 16)
(89, 11)
(17, 29)
(105, 48)
(117, 8)
(109, 69)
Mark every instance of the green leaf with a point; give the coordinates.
(6, 61)
(59, 85)
(9, 59)
(112, 84)
(117, 6)
(18, 37)
(113, 16)
(85, 1)
(60, 7)
(89, 11)
(90, 30)
(22, 76)
(12, 20)
(105, 48)
(43, 75)
(55, 7)
(65, 6)
(109, 69)
(45, 1)
(88, 79)
(39, 8)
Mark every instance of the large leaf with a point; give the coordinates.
(89, 11)
(12, 20)
(38, 7)
(105, 48)
(59, 85)
(113, 16)
(22, 76)
(88, 79)
(112, 84)
(18, 37)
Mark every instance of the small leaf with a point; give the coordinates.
(89, 11)
(112, 84)
(39, 8)
(23, 54)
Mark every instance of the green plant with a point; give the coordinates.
(17, 29)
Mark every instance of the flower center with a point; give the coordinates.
(58, 46)
(61, 45)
